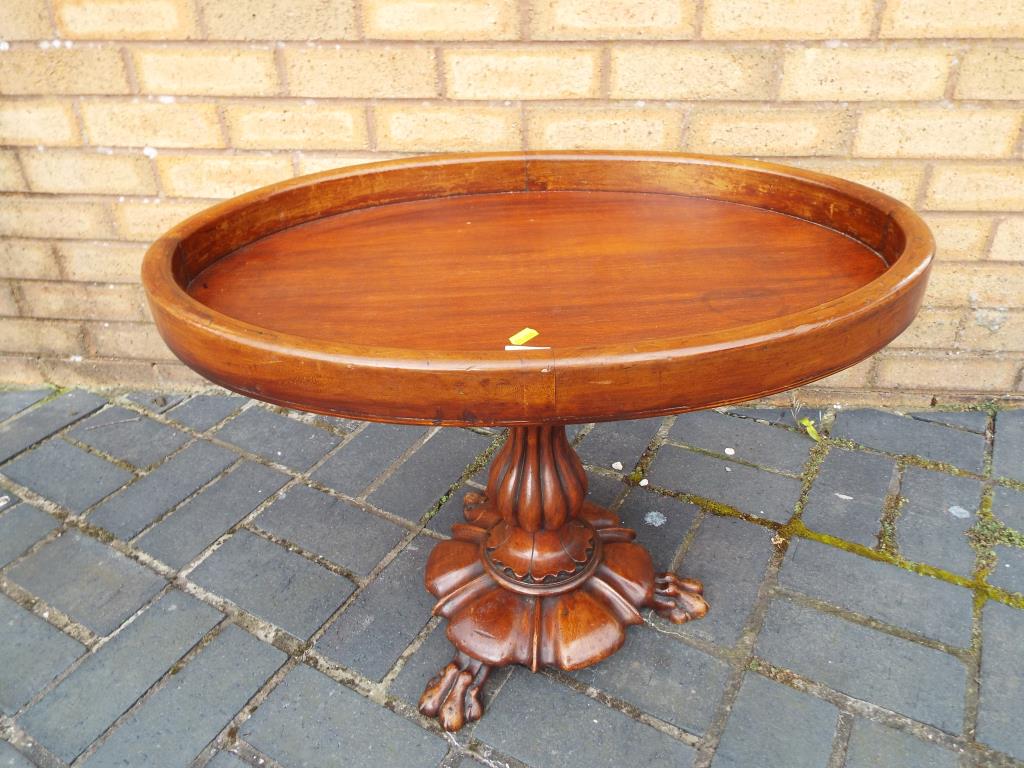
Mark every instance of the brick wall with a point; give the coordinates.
(120, 117)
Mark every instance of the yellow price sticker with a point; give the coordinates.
(523, 336)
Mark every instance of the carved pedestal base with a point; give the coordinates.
(568, 614)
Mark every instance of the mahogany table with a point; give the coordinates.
(656, 283)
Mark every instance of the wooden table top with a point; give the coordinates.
(657, 283)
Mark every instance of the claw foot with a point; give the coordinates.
(453, 695)
(677, 599)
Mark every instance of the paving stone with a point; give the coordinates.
(341, 532)
(973, 421)
(8, 500)
(14, 401)
(21, 526)
(604, 490)
(933, 523)
(783, 416)
(106, 684)
(618, 441)
(32, 653)
(1008, 573)
(279, 586)
(67, 475)
(1002, 679)
(1008, 506)
(924, 605)
(900, 434)
(31, 427)
(1008, 451)
(226, 760)
(754, 491)
(873, 746)
(92, 583)
(361, 460)
(757, 443)
(730, 557)
(424, 477)
(180, 719)
(157, 402)
(200, 412)
(663, 677)
(311, 720)
(278, 438)
(435, 652)
(863, 478)
(187, 531)
(661, 523)
(385, 617)
(129, 436)
(531, 716)
(774, 726)
(864, 663)
(126, 513)
(12, 758)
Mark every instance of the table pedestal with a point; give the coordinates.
(539, 576)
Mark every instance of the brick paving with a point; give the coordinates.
(204, 580)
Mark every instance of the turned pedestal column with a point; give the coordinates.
(539, 576)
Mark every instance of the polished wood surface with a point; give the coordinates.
(583, 268)
(659, 283)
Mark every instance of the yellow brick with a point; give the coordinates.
(30, 259)
(603, 128)
(786, 19)
(316, 162)
(145, 220)
(51, 337)
(37, 121)
(768, 132)
(11, 179)
(48, 216)
(21, 371)
(989, 72)
(864, 74)
(933, 328)
(683, 71)
(441, 19)
(361, 72)
(549, 72)
(953, 18)
(937, 132)
(8, 306)
(180, 378)
(206, 71)
(994, 330)
(959, 238)
(137, 341)
(100, 262)
(418, 128)
(77, 372)
(82, 301)
(86, 171)
(988, 284)
(220, 175)
(138, 123)
(25, 20)
(125, 19)
(612, 19)
(850, 378)
(951, 371)
(900, 180)
(62, 70)
(976, 187)
(296, 125)
(1008, 243)
(279, 19)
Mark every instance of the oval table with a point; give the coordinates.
(532, 291)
